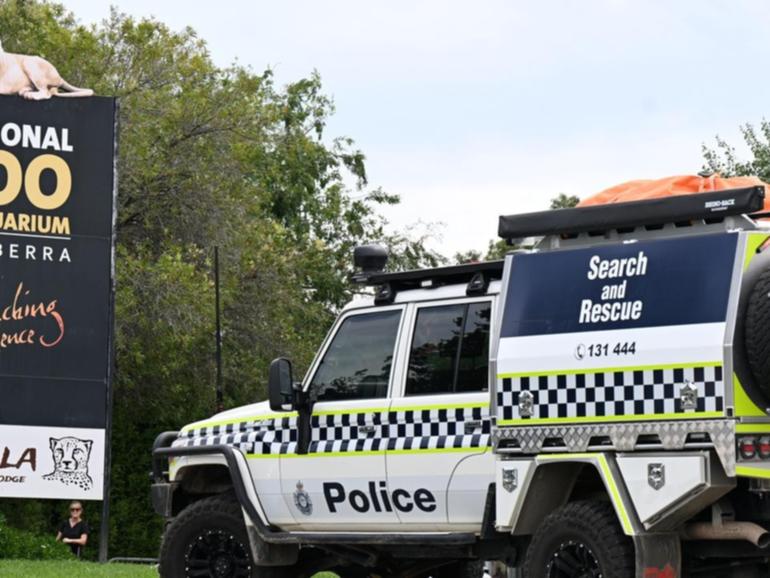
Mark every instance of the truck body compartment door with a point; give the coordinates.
(667, 489)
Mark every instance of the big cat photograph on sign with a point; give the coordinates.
(57, 188)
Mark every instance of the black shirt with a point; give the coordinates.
(74, 532)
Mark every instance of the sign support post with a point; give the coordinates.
(220, 392)
(104, 528)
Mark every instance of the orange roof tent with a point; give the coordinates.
(672, 186)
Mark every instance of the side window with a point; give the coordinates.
(450, 349)
(473, 367)
(358, 361)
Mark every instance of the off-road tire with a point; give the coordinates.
(757, 332)
(582, 533)
(222, 516)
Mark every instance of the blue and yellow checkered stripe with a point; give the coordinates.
(368, 431)
(611, 394)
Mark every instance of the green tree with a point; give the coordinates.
(497, 249)
(471, 256)
(564, 201)
(208, 156)
(724, 160)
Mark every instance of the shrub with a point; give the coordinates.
(15, 543)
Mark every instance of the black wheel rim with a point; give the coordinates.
(217, 554)
(573, 559)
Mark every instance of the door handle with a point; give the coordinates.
(366, 429)
(472, 426)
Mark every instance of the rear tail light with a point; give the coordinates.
(747, 448)
(763, 447)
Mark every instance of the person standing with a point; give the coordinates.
(74, 531)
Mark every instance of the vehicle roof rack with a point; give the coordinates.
(709, 207)
(452, 274)
(476, 275)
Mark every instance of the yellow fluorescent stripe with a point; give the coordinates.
(744, 407)
(753, 242)
(333, 412)
(616, 496)
(752, 427)
(608, 477)
(355, 454)
(608, 418)
(580, 456)
(402, 408)
(609, 369)
(750, 472)
(439, 406)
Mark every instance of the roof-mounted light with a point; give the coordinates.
(369, 260)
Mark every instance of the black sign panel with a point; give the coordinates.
(57, 188)
(643, 284)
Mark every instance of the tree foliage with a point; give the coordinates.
(723, 159)
(564, 201)
(208, 156)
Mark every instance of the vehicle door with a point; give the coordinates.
(440, 423)
(341, 483)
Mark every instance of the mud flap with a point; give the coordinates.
(265, 554)
(658, 556)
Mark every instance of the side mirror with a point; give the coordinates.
(281, 385)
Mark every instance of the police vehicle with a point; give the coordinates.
(594, 407)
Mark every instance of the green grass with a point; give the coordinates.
(75, 569)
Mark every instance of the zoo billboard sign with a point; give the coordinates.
(57, 203)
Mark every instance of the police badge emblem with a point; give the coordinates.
(302, 500)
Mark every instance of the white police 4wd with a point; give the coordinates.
(593, 407)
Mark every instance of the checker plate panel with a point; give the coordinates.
(623, 436)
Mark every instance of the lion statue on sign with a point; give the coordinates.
(34, 78)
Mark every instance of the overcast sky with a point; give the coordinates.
(476, 108)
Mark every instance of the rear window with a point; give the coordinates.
(450, 349)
